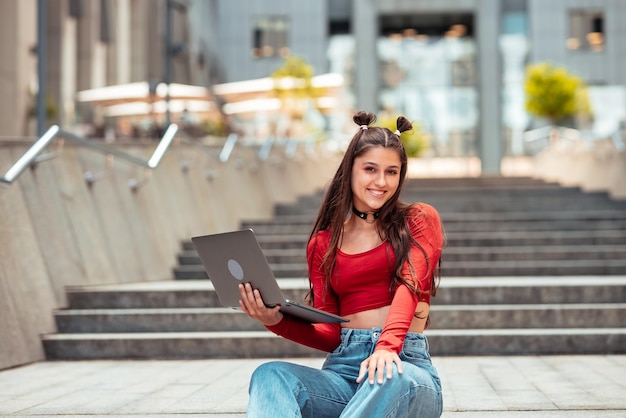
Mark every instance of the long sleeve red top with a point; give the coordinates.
(361, 282)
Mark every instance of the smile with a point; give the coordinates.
(376, 193)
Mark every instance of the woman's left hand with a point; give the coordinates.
(377, 364)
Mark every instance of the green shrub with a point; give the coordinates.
(553, 93)
(415, 141)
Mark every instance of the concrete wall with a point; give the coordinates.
(57, 231)
(597, 166)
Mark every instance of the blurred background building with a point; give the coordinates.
(455, 67)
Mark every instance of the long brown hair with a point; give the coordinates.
(337, 202)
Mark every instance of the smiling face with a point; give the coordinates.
(375, 178)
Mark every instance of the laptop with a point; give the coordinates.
(236, 257)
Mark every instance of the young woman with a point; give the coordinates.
(375, 261)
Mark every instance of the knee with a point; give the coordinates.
(411, 377)
(270, 374)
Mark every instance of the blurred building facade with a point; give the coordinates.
(455, 67)
(89, 44)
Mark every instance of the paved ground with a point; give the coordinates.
(518, 386)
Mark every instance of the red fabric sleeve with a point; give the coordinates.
(325, 337)
(425, 227)
(398, 320)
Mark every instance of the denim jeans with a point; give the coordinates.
(282, 389)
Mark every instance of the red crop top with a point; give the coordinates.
(361, 282)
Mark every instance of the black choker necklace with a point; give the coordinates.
(365, 215)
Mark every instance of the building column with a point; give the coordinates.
(490, 137)
(18, 66)
(365, 31)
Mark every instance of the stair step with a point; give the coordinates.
(535, 268)
(460, 268)
(576, 315)
(161, 294)
(483, 181)
(465, 217)
(153, 320)
(452, 254)
(452, 291)
(470, 226)
(479, 342)
(479, 239)
(543, 252)
(579, 315)
(486, 204)
(530, 290)
(173, 345)
(262, 344)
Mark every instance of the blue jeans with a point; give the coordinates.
(282, 389)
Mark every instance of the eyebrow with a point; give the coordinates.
(376, 164)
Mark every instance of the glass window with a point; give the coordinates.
(269, 37)
(586, 30)
(431, 78)
(75, 9)
(106, 34)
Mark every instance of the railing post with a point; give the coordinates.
(26, 159)
(228, 147)
(167, 139)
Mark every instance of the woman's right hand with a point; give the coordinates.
(252, 304)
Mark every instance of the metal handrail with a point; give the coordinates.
(30, 156)
(229, 145)
(33, 155)
(618, 141)
(542, 134)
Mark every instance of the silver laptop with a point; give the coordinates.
(236, 257)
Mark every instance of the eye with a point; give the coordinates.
(370, 169)
(393, 172)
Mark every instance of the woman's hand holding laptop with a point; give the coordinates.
(252, 304)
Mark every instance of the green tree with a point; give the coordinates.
(554, 93)
(293, 85)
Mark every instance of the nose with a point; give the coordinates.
(380, 179)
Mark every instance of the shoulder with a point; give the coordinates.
(423, 218)
(422, 211)
(319, 241)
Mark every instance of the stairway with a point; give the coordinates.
(530, 268)
(495, 227)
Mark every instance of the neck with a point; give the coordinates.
(369, 217)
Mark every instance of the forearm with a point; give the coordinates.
(325, 337)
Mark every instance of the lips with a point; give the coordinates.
(376, 193)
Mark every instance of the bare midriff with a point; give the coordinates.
(375, 318)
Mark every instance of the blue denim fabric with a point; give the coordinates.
(281, 389)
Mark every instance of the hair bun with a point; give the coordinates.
(364, 118)
(403, 124)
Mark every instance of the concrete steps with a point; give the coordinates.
(580, 315)
(530, 268)
(494, 227)
(563, 252)
(172, 345)
(183, 319)
(463, 268)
